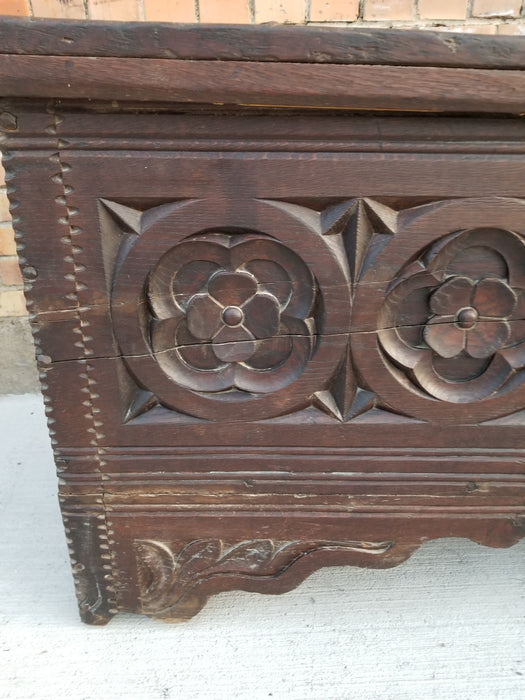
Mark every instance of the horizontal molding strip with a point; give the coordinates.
(282, 510)
(272, 145)
(404, 452)
(262, 479)
(294, 463)
(343, 452)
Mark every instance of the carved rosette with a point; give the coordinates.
(232, 312)
(471, 317)
(459, 338)
(451, 329)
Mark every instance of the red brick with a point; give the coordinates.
(334, 10)
(12, 303)
(114, 9)
(470, 28)
(14, 7)
(69, 9)
(10, 272)
(442, 9)
(7, 241)
(514, 28)
(284, 11)
(388, 9)
(231, 12)
(169, 10)
(496, 8)
(4, 206)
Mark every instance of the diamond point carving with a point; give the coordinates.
(371, 226)
(128, 216)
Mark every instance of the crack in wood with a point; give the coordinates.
(315, 337)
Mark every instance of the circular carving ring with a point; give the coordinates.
(224, 322)
(449, 342)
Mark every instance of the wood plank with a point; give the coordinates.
(260, 43)
(264, 84)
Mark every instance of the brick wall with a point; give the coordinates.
(475, 16)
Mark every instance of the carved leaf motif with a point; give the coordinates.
(196, 557)
(245, 557)
(164, 578)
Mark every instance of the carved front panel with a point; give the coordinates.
(249, 317)
(274, 359)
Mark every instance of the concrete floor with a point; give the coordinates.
(447, 624)
(18, 374)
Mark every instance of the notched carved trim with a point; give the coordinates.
(91, 563)
(171, 584)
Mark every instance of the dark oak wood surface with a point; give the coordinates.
(263, 84)
(260, 43)
(278, 298)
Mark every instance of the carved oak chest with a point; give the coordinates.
(276, 278)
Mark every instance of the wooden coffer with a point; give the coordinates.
(276, 278)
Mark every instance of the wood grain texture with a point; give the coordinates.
(260, 43)
(125, 127)
(264, 84)
(269, 340)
